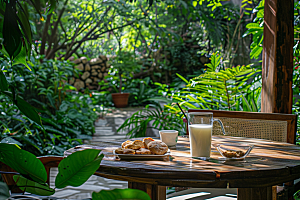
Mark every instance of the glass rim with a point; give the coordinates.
(200, 113)
(168, 131)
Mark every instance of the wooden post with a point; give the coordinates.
(277, 70)
(264, 193)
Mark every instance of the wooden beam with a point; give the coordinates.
(277, 70)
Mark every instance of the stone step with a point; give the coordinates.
(111, 137)
(103, 132)
(103, 128)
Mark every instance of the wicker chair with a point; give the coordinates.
(271, 126)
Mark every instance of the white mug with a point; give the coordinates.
(169, 137)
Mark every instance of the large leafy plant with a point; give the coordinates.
(256, 28)
(73, 170)
(221, 89)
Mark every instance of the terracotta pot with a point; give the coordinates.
(120, 99)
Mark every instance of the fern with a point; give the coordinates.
(139, 122)
(225, 89)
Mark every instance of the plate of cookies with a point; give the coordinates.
(148, 149)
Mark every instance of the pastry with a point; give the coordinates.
(125, 143)
(119, 151)
(143, 151)
(158, 147)
(128, 151)
(137, 144)
(124, 151)
(146, 141)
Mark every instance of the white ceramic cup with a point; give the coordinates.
(169, 137)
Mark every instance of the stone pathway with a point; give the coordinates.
(106, 129)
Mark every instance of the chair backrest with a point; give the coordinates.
(271, 126)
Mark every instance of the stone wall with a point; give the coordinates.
(92, 72)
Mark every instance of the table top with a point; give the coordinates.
(269, 163)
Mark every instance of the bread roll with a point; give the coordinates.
(119, 151)
(137, 144)
(143, 151)
(146, 141)
(125, 143)
(158, 147)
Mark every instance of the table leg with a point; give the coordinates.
(156, 192)
(264, 193)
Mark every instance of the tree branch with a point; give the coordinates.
(45, 34)
(88, 33)
(54, 30)
(78, 43)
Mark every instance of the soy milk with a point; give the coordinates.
(200, 140)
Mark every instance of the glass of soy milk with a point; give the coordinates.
(200, 131)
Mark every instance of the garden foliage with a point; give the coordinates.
(66, 115)
(220, 89)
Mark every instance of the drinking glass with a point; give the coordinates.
(200, 131)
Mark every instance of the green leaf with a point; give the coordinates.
(10, 140)
(77, 168)
(182, 78)
(26, 28)
(51, 129)
(11, 32)
(255, 52)
(3, 82)
(32, 187)
(253, 26)
(25, 108)
(28, 110)
(23, 162)
(163, 99)
(246, 103)
(21, 58)
(297, 195)
(4, 191)
(52, 6)
(121, 194)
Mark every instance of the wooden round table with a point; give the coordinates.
(268, 164)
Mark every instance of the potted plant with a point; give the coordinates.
(123, 66)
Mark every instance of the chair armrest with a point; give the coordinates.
(48, 162)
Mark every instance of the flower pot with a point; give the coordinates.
(120, 99)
